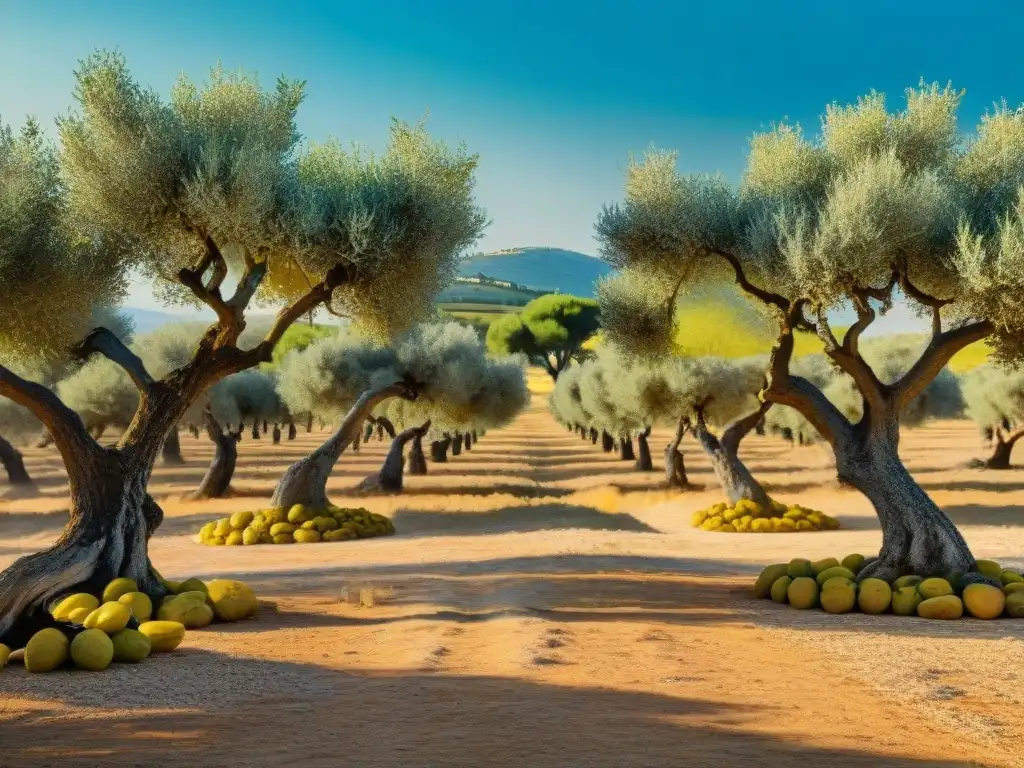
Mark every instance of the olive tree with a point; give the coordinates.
(882, 203)
(207, 185)
(994, 397)
(566, 403)
(551, 331)
(246, 395)
(611, 408)
(484, 393)
(348, 377)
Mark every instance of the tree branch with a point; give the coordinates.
(64, 425)
(935, 357)
(737, 429)
(741, 279)
(783, 389)
(852, 364)
(107, 344)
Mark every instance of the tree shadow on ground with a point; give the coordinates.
(980, 514)
(549, 517)
(557, 475)
(583, 588)
(996, 484)
(200, 708)
(495, 489)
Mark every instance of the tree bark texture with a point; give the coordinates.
(217, 481)
(305, 481)
(917, 536)
(735, 479)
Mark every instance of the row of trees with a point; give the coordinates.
(619, 397)
(462, 392)
(210, 194)
(882, 203)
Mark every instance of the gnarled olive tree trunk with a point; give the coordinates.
(457, 445)
(193, 430)
(255, 429)
(292, 432)
(389, 478)
(14, 465)
(468, 438)
(1003, 444)
(305, 481)
(276, 435)
(675, 464)
(594, 434)
(217, 481)
(643, 460)
(732, 474)
(171, 452)
(917, 536)
(417, 464)
(607, 442)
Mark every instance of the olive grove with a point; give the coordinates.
(880, 205)
(197, 191)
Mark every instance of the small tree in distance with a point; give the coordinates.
(994, 396)
(551, 331)
(880, 202)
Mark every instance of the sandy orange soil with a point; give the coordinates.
(541, 605)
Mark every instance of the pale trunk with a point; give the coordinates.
(305, 481)
(917, 537)
(735, 479)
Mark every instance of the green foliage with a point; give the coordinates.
(620, 393)
(296, 339)
(820, 219)
(48, 267)
(246, 396)
(551, 331)
(222, 161)
(459, 385)
(994, 396)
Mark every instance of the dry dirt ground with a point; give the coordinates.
(541, 605)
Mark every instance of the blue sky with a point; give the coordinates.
(553, 95)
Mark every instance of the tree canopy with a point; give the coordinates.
(551, 331)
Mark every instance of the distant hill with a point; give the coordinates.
(544, 269)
